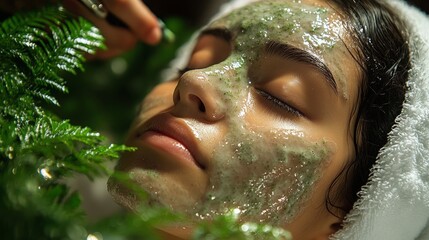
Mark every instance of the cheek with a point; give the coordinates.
(342, 155)
(162, 94)
(325, 189)
(159, 99)
(267, 174)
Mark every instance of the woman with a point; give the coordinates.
(280, 112)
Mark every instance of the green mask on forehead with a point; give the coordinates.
(305, 26)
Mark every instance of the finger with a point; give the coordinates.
(79, 9)
(142, 22)
(117, 39)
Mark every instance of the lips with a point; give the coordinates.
(171, 136)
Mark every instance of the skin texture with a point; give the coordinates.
(250, 125)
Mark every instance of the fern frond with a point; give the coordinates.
(89, 161)
(36, 148)
(12, 79)
(101, 152)
(47, 131)
(55, 85)
(77, 149)
(43, 44)
(35, 19)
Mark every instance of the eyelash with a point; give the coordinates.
(278, 103)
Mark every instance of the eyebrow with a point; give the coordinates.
(290, 52)
(222, 33)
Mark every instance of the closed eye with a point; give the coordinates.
(279, 103)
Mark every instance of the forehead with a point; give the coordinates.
(310, 25)
(314, 24)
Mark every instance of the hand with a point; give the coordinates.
(142, 24)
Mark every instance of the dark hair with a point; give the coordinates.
(383, 55)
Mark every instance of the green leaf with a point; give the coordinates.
(38, 46)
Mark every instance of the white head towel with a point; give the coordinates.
(394, 204)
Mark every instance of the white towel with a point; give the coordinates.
(394, 204)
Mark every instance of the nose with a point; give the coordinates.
(195, 96)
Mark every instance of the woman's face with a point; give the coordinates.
(260, 121)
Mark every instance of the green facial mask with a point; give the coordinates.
(267, 175)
